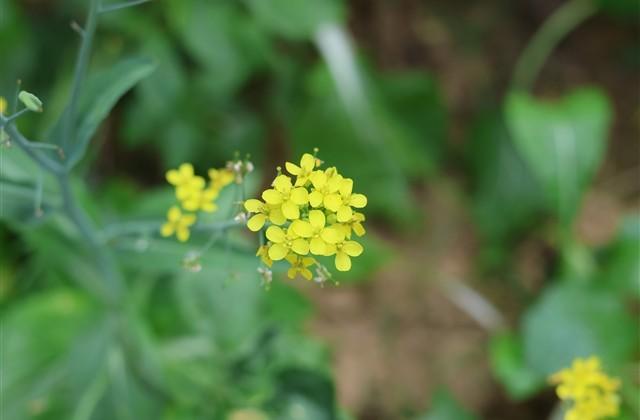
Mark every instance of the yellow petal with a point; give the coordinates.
(308, 162)
(306, 273)
(290, 210)
(275, 234)
(352, 248)
(343, 262)
(186, 170)
(329, 250)
(272, 196)
(292, 168)
(302, 228)
(332, 202)
(358, 229)
(318, 179)
(276, 217)
(299, 196)
(346, 186)
(167, 229)
(292, 258)
(254, 206)
(182, 234)
(300, 246)
(277, 252)
(358, 201)
(317, 246)
(188, 219)
(332, 235)
(344, 214)
(173, 177)
(282, 183)
(174, 214)
(315, 199)
(256, 222)
(308, 261)
(291, 273)
(317, 219)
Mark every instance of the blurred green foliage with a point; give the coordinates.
(196, 81)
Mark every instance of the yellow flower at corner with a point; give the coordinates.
(178, 223)
(201, 199)
(592, 394)
(220, 178)
(263, 213)
(302, 172)
(185, 181)
(342, 248)
(288, 198)
(341, 203)
(300, 264)
(284, 242)
(3, 105)
(263, 253)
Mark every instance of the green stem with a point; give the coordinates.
(568, 16)
(82, 63)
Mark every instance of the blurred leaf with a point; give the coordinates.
(502, 181)
(18, 203)
(294, 19)
(445, 407)
(508, 364)
(562, 142)
(574, 320)
(100, 95)
(304, 394)
(621, 271)
(625, 9)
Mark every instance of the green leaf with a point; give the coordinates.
(102, 92)
(507, 362)
(296, 19)
(621, 270)
(572, 320)
(563, 142)
(445, 407)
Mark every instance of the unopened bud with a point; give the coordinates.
(31, 101)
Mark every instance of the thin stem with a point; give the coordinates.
(44, 161)
(123, 5)
(80, 71)
(13, 117)
(566, 18)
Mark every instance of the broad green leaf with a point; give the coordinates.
(445, 407)
(573, 320)
(503, 186)
(621, 270)
(295, 19)
(101, 93)
(562, 142)
(508, 364)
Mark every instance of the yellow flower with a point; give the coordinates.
(302, 172)
(341, 203)
(313, 230)
(342, 248)
(184, 180)
(285, 242)
(3, 105)
(299, 264)
(288, 198)
(263, 253)
(220, 178)
(178, 223)
(201, 199)
(593, 394)
(355, 225)
(263, 212)
(324, 183)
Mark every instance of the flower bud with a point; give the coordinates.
(31, 101)
(3, 105)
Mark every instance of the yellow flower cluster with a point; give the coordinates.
(593, 394)
(194, 195)
(311, 214)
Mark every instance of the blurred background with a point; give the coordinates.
(503, 236)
